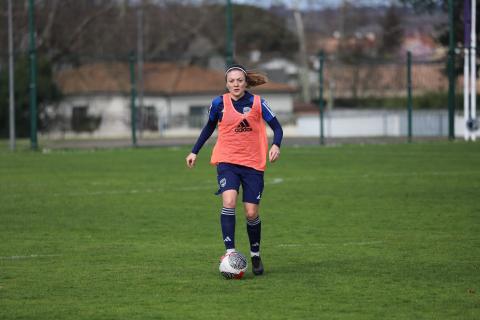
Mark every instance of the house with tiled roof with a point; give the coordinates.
(97, 98)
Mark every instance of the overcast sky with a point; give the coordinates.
(314, 3)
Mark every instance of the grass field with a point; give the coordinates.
(349, 232)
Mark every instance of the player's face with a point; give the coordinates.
(236, 84)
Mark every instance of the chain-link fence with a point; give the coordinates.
(371, 99)
(114, 69)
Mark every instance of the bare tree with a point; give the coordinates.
(75, 32)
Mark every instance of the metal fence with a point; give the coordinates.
(357, 123)
(87, 92)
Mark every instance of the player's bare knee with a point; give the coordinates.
(251, 213)
(229, 198)
(229, 203)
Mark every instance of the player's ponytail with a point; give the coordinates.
(253, 78)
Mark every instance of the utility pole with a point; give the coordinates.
(304, 70)
(11, 78)
(473, 122)
(470, 126)
(342, 19)
(451, 73)
(33, 76)
(229, 35)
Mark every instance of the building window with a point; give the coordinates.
(147, 118)
(82, 121)
(197, 116)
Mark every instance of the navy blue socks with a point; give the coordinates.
(227, 220)
(254, 230)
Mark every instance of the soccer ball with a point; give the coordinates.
(233, 265)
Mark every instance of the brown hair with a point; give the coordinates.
(253, 78)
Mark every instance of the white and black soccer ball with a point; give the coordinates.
(233, 265)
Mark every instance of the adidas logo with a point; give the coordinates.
(227, 239)
(243, 126)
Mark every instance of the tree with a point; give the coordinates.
(71, 32)
(47, 93)
(392, 32)
(443, 34)
(458, 8)
(265, 32)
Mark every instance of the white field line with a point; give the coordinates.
(421, 174)
(32, 256)
(296, 245)
(275, 181)
(106, 192)
(144, 191)
(210, 185)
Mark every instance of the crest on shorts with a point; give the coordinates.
(223, 182)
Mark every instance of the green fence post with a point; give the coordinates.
(409, 94)
(321, 58)
(133, 97)
(33, 76)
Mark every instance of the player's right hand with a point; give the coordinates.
(191, 159)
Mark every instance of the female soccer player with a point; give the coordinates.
(240, 153)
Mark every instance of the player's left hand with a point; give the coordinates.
(191, 159)
(274, 153)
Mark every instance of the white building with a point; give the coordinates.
(97, 99)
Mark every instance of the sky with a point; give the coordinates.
(313, 3)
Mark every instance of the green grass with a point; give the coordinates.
(349, 232)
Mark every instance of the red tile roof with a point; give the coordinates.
(159, 79)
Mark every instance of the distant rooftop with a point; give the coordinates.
(159, 79)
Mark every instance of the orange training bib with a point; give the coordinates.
(242, 138)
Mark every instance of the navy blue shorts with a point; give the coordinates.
(231, 176)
